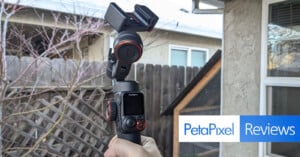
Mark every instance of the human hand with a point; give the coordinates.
(122, 148)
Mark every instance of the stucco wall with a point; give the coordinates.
(156, 45)
(241, 67)
(98, 50)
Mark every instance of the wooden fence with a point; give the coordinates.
(43, 90)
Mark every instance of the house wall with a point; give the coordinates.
(96, 46)
(156, 45)
(241, 67)
(157, 42)
(99, 48)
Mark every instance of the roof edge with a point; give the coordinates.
(86, 9)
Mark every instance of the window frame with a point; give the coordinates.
(189, 52)
(269, 81)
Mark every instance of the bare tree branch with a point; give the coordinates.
(39, 43)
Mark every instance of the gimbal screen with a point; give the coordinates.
(133, 103)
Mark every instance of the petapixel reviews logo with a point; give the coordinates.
(239, 128)
(209, 128)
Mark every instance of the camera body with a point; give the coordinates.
(131, 117)
(127, 106)
(127, 109)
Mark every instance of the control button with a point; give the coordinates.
(140, 125)
(111, 111)
(130, 122)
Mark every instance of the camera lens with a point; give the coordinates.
(128, 47)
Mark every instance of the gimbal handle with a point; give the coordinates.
(133, 137)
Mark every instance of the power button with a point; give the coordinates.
(140, 125)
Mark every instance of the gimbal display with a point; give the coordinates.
(127, 105)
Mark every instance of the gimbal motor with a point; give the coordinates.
(128, 46)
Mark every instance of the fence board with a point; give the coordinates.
(27, 67)
(156, 101)
(188, 75)
(148, 93)
(131, 75)
(58, 72)
(195, 71)
(43, 70)
(165, 87)
(86, 73)
(140, 75)
(172, 85)
(13, 67)
(180, 77)
(70, 71)
(97, 69)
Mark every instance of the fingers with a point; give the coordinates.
(150, 146)
(123, 148)
(110, 153)
(147, 140)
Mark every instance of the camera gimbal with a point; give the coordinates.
(127, 105)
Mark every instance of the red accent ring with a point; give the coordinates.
(140, 125)
(130, 42)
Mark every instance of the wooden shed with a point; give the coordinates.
(200, 97)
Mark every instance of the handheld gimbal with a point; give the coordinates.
(127, 105)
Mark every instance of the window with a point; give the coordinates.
(280, 74)
(185, 56)
(179, 57)
(198, 57)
